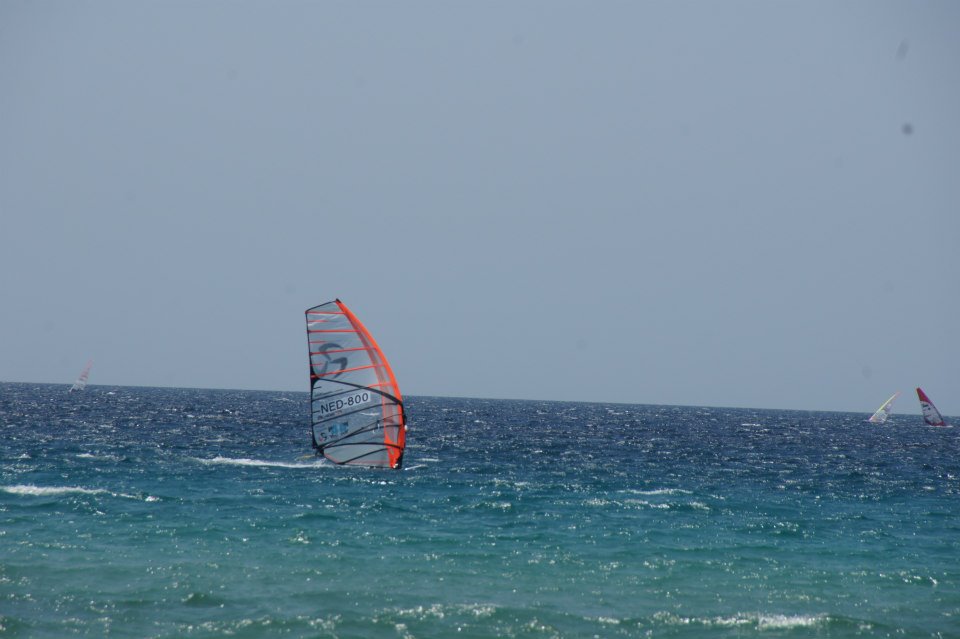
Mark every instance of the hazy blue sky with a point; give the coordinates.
(702, 203)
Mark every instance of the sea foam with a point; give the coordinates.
(54, 491)
(242, 461)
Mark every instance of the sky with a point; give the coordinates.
(744, 204)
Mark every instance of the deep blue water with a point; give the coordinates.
(147, 512)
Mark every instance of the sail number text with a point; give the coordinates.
(357, 399)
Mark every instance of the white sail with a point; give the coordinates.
(356, 406)
(81, 382)
(930, 413)
(883, 412)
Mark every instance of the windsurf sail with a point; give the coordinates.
(81, 382)
(883, 412)
(356, 408)
(930, 413)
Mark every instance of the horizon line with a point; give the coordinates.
(504, 399)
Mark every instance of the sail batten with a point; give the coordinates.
(346, 370)
(331, 330)
(356, 407)
(337, 350)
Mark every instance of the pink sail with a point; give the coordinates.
(81, 382)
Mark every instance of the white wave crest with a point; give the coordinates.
(229, 461)
(100, 457)
(647, 504)
(658, 491)
(759, 621)
(54, 491)
(440, 611)
(765, 622)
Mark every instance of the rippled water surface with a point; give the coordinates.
(146, 512)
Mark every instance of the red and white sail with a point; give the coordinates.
(883, 412)
(81, 382)
(930, 413)
(355, 403)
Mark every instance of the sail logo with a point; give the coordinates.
(333, 431)
(338, 429)
(350, 401)
(341, 362)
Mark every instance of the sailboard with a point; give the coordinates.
(883, 412)
(930, 413)
(81, 382)
(356, 409)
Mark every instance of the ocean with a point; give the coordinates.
(158, 512)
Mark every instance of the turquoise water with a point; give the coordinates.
(146, 512)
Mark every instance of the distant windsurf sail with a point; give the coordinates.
(930, 413)
(81, 382)
(883, 412)
(355, 403)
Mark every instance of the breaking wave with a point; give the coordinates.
(242, 461)
(54, 491)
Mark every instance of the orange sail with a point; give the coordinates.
(355, 403)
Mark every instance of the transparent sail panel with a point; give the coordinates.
(356, 406)
(81, 382)
(883, 412)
